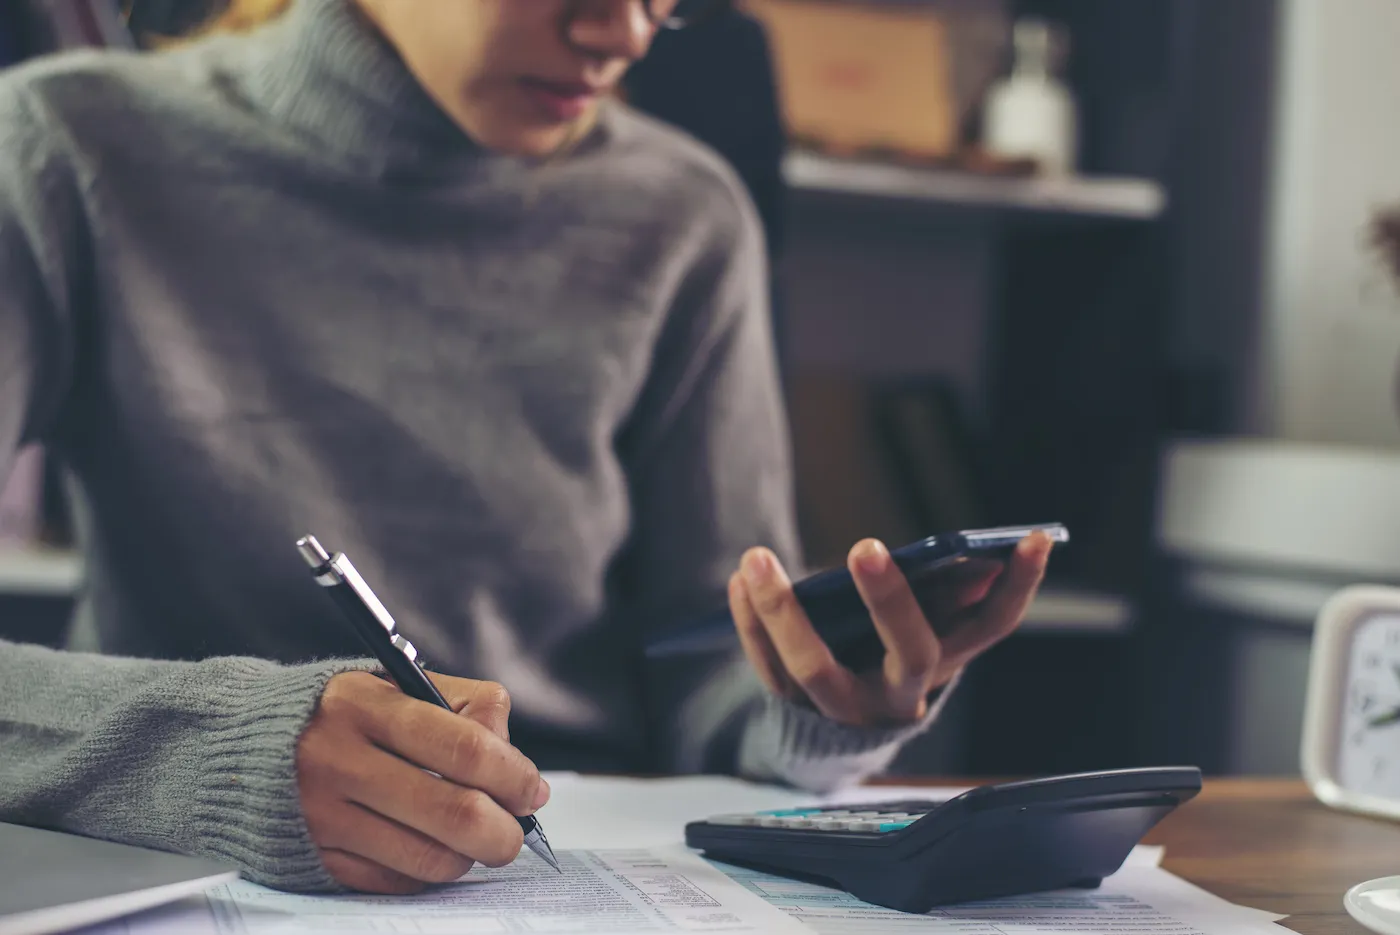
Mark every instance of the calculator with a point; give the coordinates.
(997, 840)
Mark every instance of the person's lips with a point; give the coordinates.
(563, 100)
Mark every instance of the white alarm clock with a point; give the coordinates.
(1351, 726)
(1351, 721)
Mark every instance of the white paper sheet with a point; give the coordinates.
(1145, 855)
(621, 839)
(1134, 901)
(592, 811)
(638, 892)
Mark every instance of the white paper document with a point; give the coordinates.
(595, 811)
(637, 892)
(1138, 900)
(627, 871)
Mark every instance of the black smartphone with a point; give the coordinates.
(834, 606)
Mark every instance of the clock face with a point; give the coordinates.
(1369, 756)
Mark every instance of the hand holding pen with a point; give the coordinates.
(398, 794)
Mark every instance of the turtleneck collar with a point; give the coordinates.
(325, 70)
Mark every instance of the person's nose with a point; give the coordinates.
(612, 28)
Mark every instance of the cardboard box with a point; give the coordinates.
(858, 76)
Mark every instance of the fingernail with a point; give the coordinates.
(873, 558)
(542, 796)
(758, 567)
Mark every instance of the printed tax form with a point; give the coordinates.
(634, 891)
(626, 871)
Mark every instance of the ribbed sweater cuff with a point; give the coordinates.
(801, 746)
(246, 807)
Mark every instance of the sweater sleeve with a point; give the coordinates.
(711, 476)
(182, 756)
(192, 757)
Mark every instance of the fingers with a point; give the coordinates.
(338, 765)
(807, 660)
(985, 600)
(388, 845)
(397, 792)
(465, 820)
(487, 703)
(946, 591)
(365, 875)
(912, 651)
(974, 590)
(758, 648)
(1006, 603)
(457, 748)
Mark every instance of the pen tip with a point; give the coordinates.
(539, 844)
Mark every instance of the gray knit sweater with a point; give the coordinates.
(261, 286)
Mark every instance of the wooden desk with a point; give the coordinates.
(1269, 844)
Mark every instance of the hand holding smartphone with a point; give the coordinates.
(834, 606)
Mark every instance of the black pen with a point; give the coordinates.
(398, 656)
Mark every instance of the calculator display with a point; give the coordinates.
(878, 819)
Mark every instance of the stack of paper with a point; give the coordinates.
(626, 870)
(1137, 899)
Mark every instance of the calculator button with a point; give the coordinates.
(863, 825)
(788, 812)
(894, 825)
(733, 820)
(771, 821)
(831, 824)
(797, 822)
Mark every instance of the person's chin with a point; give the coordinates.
(538, 140)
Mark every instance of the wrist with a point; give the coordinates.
(246, 806)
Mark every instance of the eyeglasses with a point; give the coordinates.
(678, 14)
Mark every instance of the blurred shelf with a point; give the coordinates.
(36, 572)
(1074, 611)
(1104, 197)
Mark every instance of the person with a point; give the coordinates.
(733, 109)
(401, 275)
